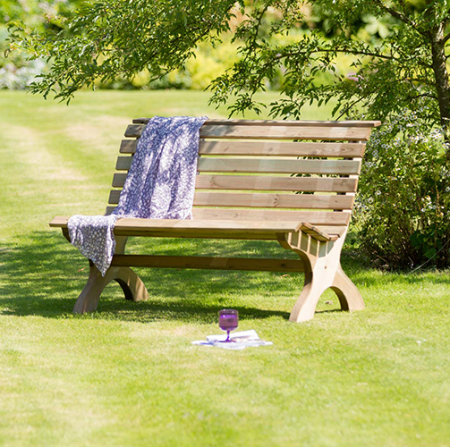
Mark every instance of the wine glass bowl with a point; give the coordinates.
(228, 321)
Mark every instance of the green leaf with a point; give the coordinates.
(430, 253)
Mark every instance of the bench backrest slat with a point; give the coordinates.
(268, 148)
(259, 170)
(339, 167)
(271, 132)
(256, 200)
(304, 123)
(268, 183)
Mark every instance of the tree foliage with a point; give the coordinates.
(15, 71)
(407, 66)
(107, 39)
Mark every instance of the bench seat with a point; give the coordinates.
(218, 229)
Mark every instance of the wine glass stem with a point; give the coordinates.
(228, 337)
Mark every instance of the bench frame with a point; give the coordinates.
(319, 250)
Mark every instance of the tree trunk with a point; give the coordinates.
(442, 83)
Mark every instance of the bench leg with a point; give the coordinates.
(305, 307)
(322, 271)
(132, 286)
(316, 282)
(348, 294)
(134, 289)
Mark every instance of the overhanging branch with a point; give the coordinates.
(397, 14)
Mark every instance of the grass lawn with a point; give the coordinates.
(128, 375)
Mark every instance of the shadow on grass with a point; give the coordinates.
(41, 274)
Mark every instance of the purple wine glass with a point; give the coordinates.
(228, 321)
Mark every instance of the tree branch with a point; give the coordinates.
(348, 107)
(398, 15)
(355, 52)
(423, 95)
(258, 24)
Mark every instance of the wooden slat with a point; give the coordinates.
(114, 196)
(119, 180)
(254, 148)
(282, 123)
(266, 149)
(317, 233)
(264, 132)
(255, 200)
(284, 132)
(260, 183)
(200, 225)
(331, 230)
(208, 263)
(61, 222)
(313, 217)
(123, 163)
(128, 146)
(134, 130)
(222, 229)
(338, 167)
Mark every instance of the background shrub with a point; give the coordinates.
(403, 207)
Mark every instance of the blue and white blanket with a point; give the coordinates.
(159, 185)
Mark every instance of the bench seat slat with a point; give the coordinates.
(218, 131)
(266, 149)
(338, 167)
(222, 225)
(275, 226)
(224, 229)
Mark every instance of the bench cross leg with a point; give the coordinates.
(322, 271)
(349, 296)
(132, 286)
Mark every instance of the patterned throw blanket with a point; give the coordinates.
(159, 185)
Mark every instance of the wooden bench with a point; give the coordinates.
(289, 181)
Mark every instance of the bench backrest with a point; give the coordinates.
(270, 170)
